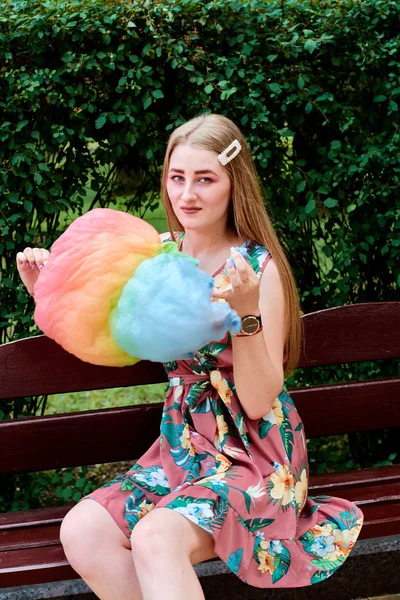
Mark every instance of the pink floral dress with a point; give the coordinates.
(243, 481)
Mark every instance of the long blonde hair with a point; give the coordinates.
(247, 217)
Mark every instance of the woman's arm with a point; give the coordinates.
(258, 359)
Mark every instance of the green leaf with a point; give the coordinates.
(100, 121)
(310, 46)
(325, 188)
(330, 202)
(147, 101)
(380, 98)
(209, 88)
(275, 87)
(300, 187)
(310, 207)
(158, 94)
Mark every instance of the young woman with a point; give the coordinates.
(228, 474)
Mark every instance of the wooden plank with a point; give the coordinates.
(352, 333)
(109, 435)
(48, 369)
(34, 517)
(344, 408)
(380, 521)
(32, 565)
(329, 339)
(88, 437)
(327, 483)
(30, 537)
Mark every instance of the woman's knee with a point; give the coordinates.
(84, 529)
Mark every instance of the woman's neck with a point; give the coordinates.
(199, 244)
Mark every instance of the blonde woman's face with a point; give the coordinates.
(196, 179)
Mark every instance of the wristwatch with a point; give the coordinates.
(251, 324)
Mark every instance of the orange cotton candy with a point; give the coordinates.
(82, 281)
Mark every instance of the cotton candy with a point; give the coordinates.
(172, 297)
(111, 294)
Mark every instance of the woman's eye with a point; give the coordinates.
(175, 177)
(206, 179)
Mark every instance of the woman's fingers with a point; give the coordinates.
(33, 258)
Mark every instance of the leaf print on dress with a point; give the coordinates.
(183, 451)
(234, 560)
(272, 557)
(136, 507)
(274, 417)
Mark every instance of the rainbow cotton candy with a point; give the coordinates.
(82, 282)
(112, 294)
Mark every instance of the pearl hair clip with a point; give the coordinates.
(224, 158)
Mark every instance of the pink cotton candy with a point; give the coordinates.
(82, 282)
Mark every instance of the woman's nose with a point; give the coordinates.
(188, 191)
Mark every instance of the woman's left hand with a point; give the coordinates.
(244, 294)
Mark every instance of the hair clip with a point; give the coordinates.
(224, 158)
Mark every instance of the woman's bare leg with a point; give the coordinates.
(165, 546)
(99, 552)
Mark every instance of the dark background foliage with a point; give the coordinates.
(90, 90)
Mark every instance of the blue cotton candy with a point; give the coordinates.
(165, 311)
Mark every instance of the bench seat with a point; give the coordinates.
(30, 549)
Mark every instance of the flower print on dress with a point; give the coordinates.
(281, 485)
(207, 513)
(222, 386)
(331, 542)
(301, 489)
(154, 480)
(273, 557)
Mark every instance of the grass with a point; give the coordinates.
(92, 400)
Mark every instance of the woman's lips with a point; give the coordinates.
(190, 211)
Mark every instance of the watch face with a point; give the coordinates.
(250, 324)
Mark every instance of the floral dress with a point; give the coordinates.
(243, 481)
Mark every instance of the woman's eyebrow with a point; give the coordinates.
(202, 171)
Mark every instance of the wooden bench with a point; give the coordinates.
(30, 551)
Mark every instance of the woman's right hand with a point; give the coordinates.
(29, 264)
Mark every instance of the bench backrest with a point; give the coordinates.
(37, 365)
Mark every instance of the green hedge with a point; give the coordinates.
(90, 91)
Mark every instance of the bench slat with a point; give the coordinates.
(346, 408)
(34, 517)
(352, 333)
(30, 537)
(35, 565)
(329, 335)
(328, 483)
(116, 434)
